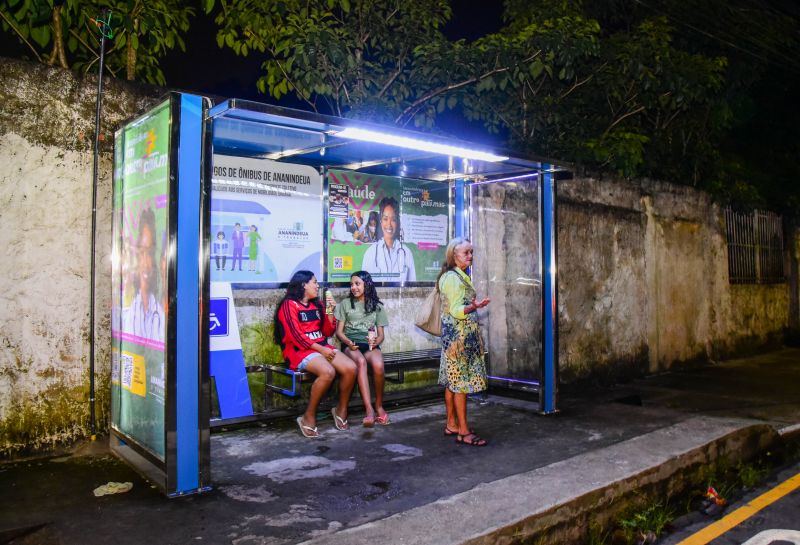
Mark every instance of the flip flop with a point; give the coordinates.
(448, 432)
(368, 421)
(307, 431)
(474, 441)
(340, 423)
(383, 420)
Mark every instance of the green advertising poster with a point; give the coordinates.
(139, 283)
(394, 228)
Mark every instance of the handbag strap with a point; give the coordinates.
(459, 277)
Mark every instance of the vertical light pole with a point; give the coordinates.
(104, 25)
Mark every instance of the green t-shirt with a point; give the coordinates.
(357, 322)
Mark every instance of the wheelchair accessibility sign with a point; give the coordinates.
(218, 317)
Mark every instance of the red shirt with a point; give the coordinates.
(303, 325)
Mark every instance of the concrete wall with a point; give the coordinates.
(642, 275)
(46, 138)
(643, 282)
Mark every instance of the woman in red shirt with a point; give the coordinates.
(302, 328)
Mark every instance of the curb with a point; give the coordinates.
(558, 501)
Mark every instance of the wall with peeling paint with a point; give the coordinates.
(46, 137)
(643, 282)
(642, 270)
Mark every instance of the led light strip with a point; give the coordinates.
(412, 143)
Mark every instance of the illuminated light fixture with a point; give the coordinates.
(412, 143)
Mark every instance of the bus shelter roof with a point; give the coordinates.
(252, 129)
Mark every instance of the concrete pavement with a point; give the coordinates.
(409, 484)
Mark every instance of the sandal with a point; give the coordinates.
(475, 441)
(340, 423)
(368, 421)
(307, 431)
(448, 432)
(383, 420)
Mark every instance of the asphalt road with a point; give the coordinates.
(777, 523)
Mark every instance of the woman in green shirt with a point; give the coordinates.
(360, 328)
(462, 369)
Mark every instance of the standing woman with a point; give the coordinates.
(302, 328)
(462, 369)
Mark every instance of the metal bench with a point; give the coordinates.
(395, 362)
(399, 362)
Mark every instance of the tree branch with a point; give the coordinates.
(19, 34)
(291, 82)
(58, 38)
(619, 120)
(578, 84)
(414, 107)
(395, 75)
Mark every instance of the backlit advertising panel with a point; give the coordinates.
(394, 228)
(139, 278)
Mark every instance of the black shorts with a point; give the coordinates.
(362, 347)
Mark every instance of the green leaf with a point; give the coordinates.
(41, 35)
(346, 6)
(536, 68)
(208, 5)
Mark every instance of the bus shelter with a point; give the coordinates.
(215, 208)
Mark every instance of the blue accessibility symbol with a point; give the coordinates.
(218, 317)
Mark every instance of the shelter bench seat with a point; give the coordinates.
(395, 362)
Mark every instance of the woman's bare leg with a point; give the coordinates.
(325, 374)
(346, 369)
(460, 403)
(449, 404)
(362, 379)
(375, 359)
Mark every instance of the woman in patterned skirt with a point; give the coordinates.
(462, 370)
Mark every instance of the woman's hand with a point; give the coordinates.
(475, 305)
(329, 353)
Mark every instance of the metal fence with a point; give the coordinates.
(755, 247)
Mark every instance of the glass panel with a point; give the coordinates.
(139, 299)
(505, 234)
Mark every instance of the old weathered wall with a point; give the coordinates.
(46, 137)
(643, 282)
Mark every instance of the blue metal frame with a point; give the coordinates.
(548, 392)
(460, 210)
(289, 373)
(188, 293)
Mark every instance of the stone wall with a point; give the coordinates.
(643, 282)
(642, 268)
(46, 138)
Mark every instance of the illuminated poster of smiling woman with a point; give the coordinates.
(139, 279)
(394, 228)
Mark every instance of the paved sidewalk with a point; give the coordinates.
(407, 483)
